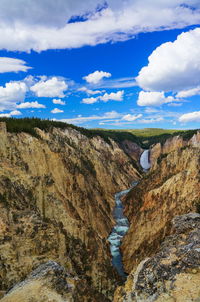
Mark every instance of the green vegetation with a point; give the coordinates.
(143, 137)
(28, 125)
(150, 136)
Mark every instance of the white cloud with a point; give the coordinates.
(131, 117)
(82, 119)
(89, 91)
(111, 114)
(56, 110)
(188, 93)
(12, 93)
(113, 96)
(151, 120)
(175, 104)
(33, 25)
(30, 105)
(96, 76)
(53, 87)
(153, 98)
(173, 66)
(125, 82)
(12, 113)
(58, 102)
(91, 100)
(190, 117)
(12, 65)
(15, 112)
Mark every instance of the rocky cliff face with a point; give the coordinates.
(173, 144)
(51, 282)
(170, 188)
(172, 274)
(56, 201)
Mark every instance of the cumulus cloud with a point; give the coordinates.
(91, 100)
(33, 24)
(56, 110)
(53, 87)
(190, 117)
(58, 102)
(153, 98)
(96, 76)
(30, 105)
(12, 93)
(12, 65)
(188, 93)
(131, 117)
(173, 66)
(113, 96)
(10, 114)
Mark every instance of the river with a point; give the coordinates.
(122, 224)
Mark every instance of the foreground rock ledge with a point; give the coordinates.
(173, 274)
(51, 283)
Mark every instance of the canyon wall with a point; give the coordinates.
(173, 273)
(164, 268)
(56, 201)
(172, 144)
(168, 189)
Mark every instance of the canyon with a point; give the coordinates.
(57, 201)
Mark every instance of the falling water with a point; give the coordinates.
(144, 160)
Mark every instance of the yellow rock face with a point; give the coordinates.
(173, 144)
(56, 201)
(169, 189)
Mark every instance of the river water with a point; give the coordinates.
(122, 223)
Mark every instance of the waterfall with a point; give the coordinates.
(144, 160)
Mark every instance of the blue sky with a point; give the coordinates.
(125, 64)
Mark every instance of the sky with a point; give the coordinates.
(115, 64)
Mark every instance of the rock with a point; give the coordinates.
(56, 202)
(160, 278)
(173, 144)
(167, 190)
(50, 283)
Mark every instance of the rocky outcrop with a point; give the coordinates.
(56, 201)
(173, 274)
(173, 144)
(51, 283)
(168, 189)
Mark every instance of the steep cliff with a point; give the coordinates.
(170, 188)
(56, 201)
(172, 274)
(172, 144)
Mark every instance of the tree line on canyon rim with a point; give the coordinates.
(143, 137)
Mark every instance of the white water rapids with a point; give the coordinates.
(122, 223)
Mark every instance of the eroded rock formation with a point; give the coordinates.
(56, 201)
(168, 189)
(173, 273)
